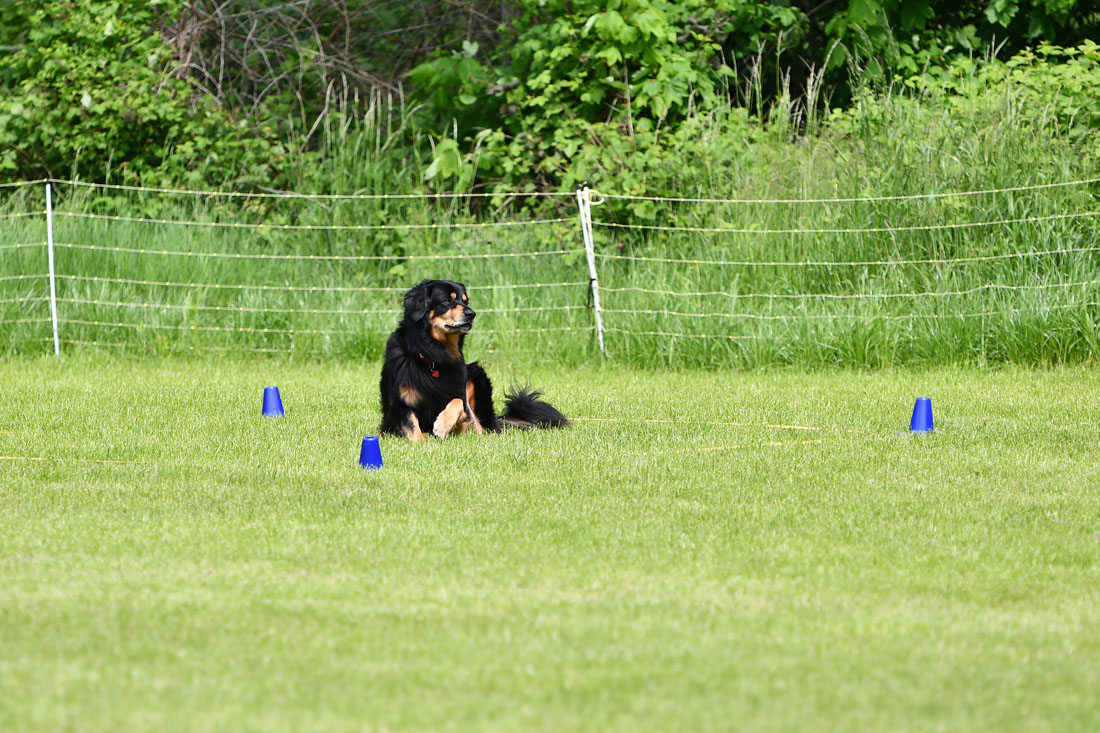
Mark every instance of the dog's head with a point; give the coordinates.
(441, 307)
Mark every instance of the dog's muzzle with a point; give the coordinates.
(465, 324)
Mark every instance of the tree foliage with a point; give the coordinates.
(277, 59)
(90, 95)
(567, 67)
(197, 91)
(517, 92)
(569, 78)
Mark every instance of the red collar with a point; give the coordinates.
(430, 364)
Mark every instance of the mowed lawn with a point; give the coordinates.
(701, 550)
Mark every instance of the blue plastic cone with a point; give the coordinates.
(922, 416)
(273, 403)
(370, 455)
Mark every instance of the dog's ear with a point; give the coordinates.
(416, 301)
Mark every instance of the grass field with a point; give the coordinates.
(700, 551)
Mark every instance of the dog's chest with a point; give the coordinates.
(439, 384)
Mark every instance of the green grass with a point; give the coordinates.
(701, 550)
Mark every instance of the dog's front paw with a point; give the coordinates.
(446, 420)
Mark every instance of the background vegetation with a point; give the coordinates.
(714, 100)
(518, 92)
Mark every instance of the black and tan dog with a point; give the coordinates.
(427, 386)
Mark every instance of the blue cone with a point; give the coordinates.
(273, 403)
(922, 416)
(370, 455)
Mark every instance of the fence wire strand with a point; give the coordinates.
(22, 245)
(296, 288)
(847, 263)
(849, 230)
(864, 317)
(279, 331)
(319, 196)
(23, 184)
(837, 316)
(315, 258)
(313, 227)
(307, 311)
(866, 296)
(853, 199)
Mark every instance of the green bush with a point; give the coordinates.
(570, 76)
(1062, 82)
(91, 98)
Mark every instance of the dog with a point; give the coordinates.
(427, 386)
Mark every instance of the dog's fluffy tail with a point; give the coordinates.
(524, 409)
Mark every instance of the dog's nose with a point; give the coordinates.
(470, 313)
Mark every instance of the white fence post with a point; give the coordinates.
(53, 279)
(584, 203)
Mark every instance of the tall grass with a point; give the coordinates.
(992, 293)
(278, 290)
(936, 288)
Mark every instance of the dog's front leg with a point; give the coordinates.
(448, 418)
(410, 426)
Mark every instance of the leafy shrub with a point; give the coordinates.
(1060, 81)
(570, 75)
(93, 99)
